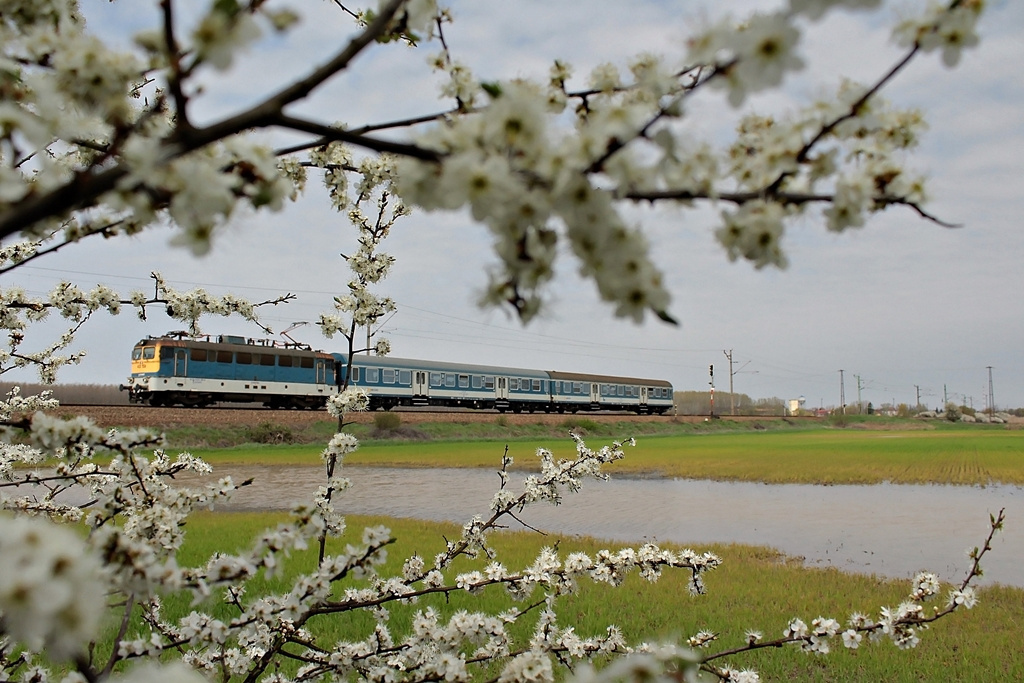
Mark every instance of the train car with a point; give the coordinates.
(394, 382)
(173, 370)
(195, 372)
(573, 392)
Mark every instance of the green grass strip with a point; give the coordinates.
(823, 456)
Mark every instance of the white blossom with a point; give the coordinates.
(51, 593)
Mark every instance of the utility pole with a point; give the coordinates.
(860, 405)
(732, 395)
(918, 404)
(842, 392)
(991, 398)
(711, 372)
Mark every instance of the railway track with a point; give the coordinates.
(138, 416)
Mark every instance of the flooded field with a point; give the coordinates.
(885, 529)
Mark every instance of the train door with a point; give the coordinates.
(643, 395)
(595, 394)
(180, 362)
(419, 383)
(321, 371)
(501, 388)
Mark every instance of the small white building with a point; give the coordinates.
(794, 405)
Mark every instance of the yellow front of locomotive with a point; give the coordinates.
(145, 367)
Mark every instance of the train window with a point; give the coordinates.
(267, 359)
(436, 379)
(243, 358)
(197, 354)
(284, 361)
(137, 353)
(463, 381)
(355, 374)
(449, 380)
(513, 384)
(488, 382)
(225, 356)
(387, 376)
(478, 382)
(166, 352)
(372, 375)
(620, 390)
(149, 353)
(577, 387)
(306, 362)
(536, 385)
(405, 377)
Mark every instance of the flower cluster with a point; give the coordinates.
(51, 597)
(514, 165)
(349, 400)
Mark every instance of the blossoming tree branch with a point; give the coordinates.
(102, 142)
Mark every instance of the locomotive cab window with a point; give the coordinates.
(306, 362)
(197, 354)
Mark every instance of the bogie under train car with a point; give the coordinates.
(174, 370)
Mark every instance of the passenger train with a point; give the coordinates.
(197, 372)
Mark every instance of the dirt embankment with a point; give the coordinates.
(162, 418)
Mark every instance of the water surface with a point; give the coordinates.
(886, 529)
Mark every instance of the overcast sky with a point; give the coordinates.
(900, 305)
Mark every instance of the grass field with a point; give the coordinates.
(831, 456)
(755, 588)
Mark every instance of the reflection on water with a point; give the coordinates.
(886, 529)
